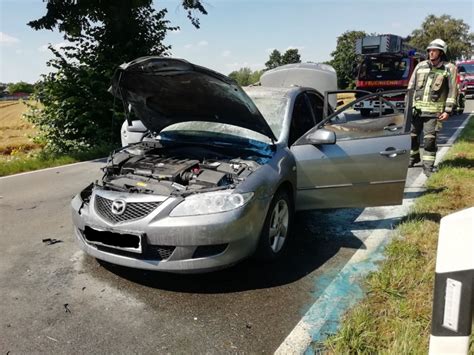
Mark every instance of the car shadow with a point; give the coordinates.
(316, 238)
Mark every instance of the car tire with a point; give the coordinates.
(277, 228)
(365, 112)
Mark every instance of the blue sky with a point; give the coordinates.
(235, 33)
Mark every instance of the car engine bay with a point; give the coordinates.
(148, 167)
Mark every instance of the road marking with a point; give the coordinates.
(52, 168)
(344, 291)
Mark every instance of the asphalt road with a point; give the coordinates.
(54, 299)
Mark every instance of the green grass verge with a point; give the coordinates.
(395, 316)
(23, 162)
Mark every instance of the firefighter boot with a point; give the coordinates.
(428, 163)
(414, 159)
(428, 170)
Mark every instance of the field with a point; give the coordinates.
(15, 131)
(345, 98)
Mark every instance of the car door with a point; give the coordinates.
(367, 164)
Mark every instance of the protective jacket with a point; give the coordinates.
(435, 88)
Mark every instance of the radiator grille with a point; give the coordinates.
(133, 210)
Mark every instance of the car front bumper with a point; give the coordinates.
(174, 244)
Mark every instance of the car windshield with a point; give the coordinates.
(214, 127)
(384, 68)
(271, 103)
(466, 68)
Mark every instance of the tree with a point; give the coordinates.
(291, 56)
(245, 76)
(344, 58)
(20, 87)
(274, 60)
(455, 32)
(79, 114)
(255, 76)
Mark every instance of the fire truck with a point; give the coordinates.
(465, 78)
(387, 64)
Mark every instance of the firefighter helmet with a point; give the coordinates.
(439, 44)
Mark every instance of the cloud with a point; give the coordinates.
(56, 46)
(196, 45)
(396, 25)
(226, 53)
(19, 51)
(7, 39)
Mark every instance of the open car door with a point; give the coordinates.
(349, 160)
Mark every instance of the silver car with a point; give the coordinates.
(218, 172)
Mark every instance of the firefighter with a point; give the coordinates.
(434, 82)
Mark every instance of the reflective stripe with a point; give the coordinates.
(431, 107)
(429, 157)
(450, 100)
(426, 93)
(414, 152)
(430, 136)
(423, 70)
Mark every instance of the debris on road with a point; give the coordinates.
(66, 308)
(51, 241)
(56, 340)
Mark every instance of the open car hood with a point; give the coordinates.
(162, 91)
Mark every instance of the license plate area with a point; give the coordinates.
(128, 242)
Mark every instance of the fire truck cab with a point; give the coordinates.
(465, 78)
(387, 65)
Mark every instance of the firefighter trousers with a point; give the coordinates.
(430, 127)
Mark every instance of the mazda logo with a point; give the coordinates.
(118, 207)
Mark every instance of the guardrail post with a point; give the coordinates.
(454, 285)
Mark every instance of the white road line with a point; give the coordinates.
(442, 152)
(310, 326)
(52, 168)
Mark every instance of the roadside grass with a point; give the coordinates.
(395, 316)
(23, 162)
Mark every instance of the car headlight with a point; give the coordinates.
(211, 202)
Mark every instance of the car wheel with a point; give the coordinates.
(277, 227)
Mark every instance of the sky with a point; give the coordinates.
(235, 33)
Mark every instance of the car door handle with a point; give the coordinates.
(392, 152)
(391, 128)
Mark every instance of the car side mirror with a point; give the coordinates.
(136, 126)
(321, 136)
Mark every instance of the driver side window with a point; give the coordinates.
(359, 125)
(302, 119)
